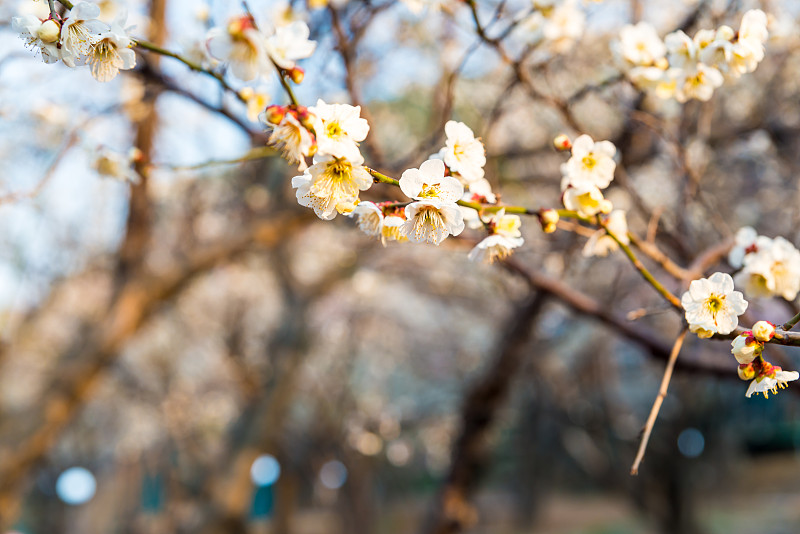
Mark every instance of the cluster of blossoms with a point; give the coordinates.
(713, 307)
(764, 377)
(691, 68)
(769, 267)
(80, 39)
(589, 170)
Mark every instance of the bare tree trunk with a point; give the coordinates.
(453, 511)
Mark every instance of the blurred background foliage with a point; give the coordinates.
(216, 359)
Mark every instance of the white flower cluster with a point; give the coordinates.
(589, 170)
(250, 53)
(769, 267)
(748, 350)
(80, 39)
(332, 184)
(692, 68)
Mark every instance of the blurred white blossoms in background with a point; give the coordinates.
(712, 306)
(241, 46)
(504, 235)
(435, 214)
(692, 68)
(559, 23)
(600, 243)
(745, 242)
(770, 267)
(339, 128)
(111, 164)
(463, 153)
(289, 44)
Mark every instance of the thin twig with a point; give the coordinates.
(662, 393)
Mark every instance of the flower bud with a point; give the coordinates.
(246, 93)
(746, 371)
(662, 63)
(763, 331)
(562, 142)
(297, 74)
(305, 118)
(548, 219)
(745, 348)
(275, 113)
(724, 33)
(606, 206)
(48, 31)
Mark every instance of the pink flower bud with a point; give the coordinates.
(763, 331)
(562, 142)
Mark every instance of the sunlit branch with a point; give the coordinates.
(662, 393)
(189, 63)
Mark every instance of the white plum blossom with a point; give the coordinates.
(431, 221)
(698, 83)
(112, 52)
(681, 50)
(80, 31)
(291, 138)
(240, 45)
(560, 24)
(771, 270)
(39, 35)
(592, 163)
(640, 45)
(289, 44)
(587, 200)
(712, 305)
(370, 218)
(430, 183)
(600, 243)
(255, 101)
(463, 153)
(333, 185)
(339, 128)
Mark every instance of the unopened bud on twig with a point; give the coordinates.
(562, 142)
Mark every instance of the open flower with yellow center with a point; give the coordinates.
(370, 218)
(339, 128)
(429, 183)
(640, 45)
(112, 52)
(463, 153)
(431, 221)
(698, 82)
(592, 163)
(712, 306)
(80, 31)
(332, 185)
(240, 45)
(586, 200)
